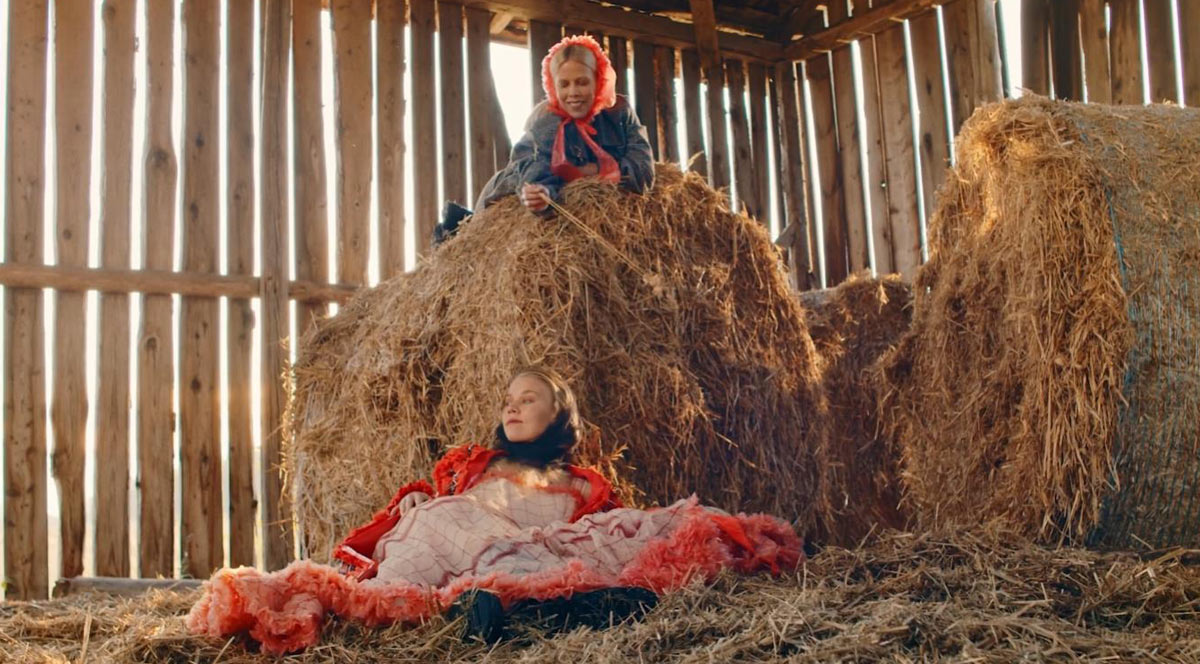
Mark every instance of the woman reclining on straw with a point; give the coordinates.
(584, 128)
(509, 532)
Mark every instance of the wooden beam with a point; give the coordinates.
(849, 158)
(390, 64)
(664, 95)
(973, 55)
(618, 54)
(424, 123)
(872, 131)
(828, 169)
(645, 94)
(898, 147)
(933, 116)
(160, 282)
(1160, 49)
(1125, 43)
(479, 103)
(156, 337)
(353, 96)
(1064, 44)
(704, 22)
(797, 20)
(119, 587)
(621, 22)
(860, 25)
(1093, 31)
(499, 22)
(757, 88)
(744, 175)
(25, 518)
(452, 110)
(1035, 50)
(695, 159)
(1189, 37)
(792, 163)
(542, 36)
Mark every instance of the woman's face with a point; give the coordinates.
(528, 409)
(576, 88)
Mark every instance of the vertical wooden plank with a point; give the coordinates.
(453, 111)
(618, 54)
(932, 118)
(308, 135)
(972, 53)
(664, 94)
(1093, 30)
(239, 214)
(872, 132)
(390, 66)
(1160, 49)
(644, 97)
(828, 169)
(479, 86)
(743, 161)
(757, 91)
(718, 143)
(424, 131)
(690, 70)
(199, 405)
(1064, 45)
(25, 529)
(1125, 48)
(541, 37)
(1035, 51)
(73, 38)
(112, 416)
(897, 132)
(1189, 38)
(352, 92)
(849, 157)
(277, 536)
(156, 341)
(791, 132)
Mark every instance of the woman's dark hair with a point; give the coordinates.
(554, 445)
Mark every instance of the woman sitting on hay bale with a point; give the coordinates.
(584, 128)
(510, 528)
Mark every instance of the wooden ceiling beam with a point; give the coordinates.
(500, 22)
(612, 20)
(859, 25)
(747, 19)
(802, 18)
(704, 23)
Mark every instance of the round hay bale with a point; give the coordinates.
(689, 354)
(1050, 378)
(852, 326)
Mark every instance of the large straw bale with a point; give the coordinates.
(689, 354)
(852, 326)
(1051, 375)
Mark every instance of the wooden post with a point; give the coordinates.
(277, 535)
(1093, 30)
(791, 130)
(389, 131)
(1189, 37)
(73, 138)
(453, 111)
(199, 402)
(308, 135)
(25, 516)
(872, 131)
(901, 167)
(645, 96)
(704, 22)
(156, 340)
(932, 119)
(828, 169)
(113, 398)
(972, 53)
(757, 88)
(668, 125)
(541, 37)
(695, 157)
(743, 174)
(353, 94)
(239, 233)
(479, 77)
(618, 54)
(1064, 44)
(424, 131)
(849, 157)
(1160, 49)
(1035, 53)
(1125, 44)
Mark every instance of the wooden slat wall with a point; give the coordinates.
(1189, 38)
(973, 57)
(757, 204)
(828, 171)
(1064, 41)
(935, 144)
(618, 54)
(664, 83)
(1093, 34)
(479, 68)
(872, 135)
(199, 405)
(718, 147)
(849, 157)
(541, 37)
(116, 215)
(898, 144)
(645, 95)
(743, 160)
(424, 132)
(156, 341)
(690, 75)
(25, 515)
(390, 65)
(793, 162)
(1126, 52)
(353, 99)
(239, 165)
(453, 115)
(1035, 46)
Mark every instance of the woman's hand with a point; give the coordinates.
(533, 196)
(410, 501)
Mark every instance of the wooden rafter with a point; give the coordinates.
(859, 25)
(500, 22)
(801, 18)
(704, 22)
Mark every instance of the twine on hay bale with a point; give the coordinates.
(986, 596)
(697, 371)
(1051, 375)
(852, 326)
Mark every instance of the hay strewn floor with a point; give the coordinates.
(905, 598)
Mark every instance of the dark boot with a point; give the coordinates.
(484, 613)
(452, 215)
(597, 609)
